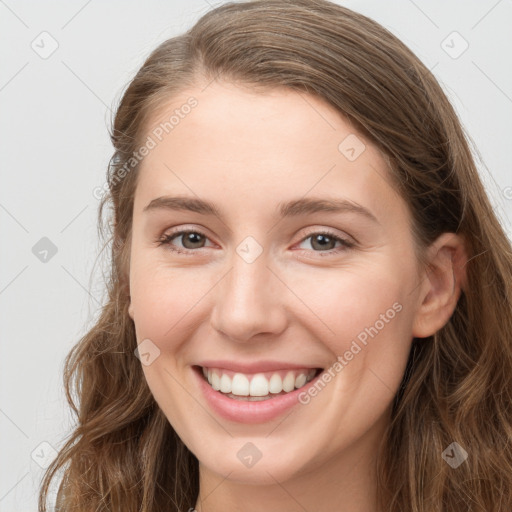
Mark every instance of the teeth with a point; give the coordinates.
(300, 381)
(289, 382)
(240, 385)
(259, 384)
(215, 381)
(225, 384)
(275, 384)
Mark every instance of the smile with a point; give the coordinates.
(258, 386)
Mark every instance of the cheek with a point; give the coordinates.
(163, 301)
(346, 303)
(170, 305)
(366, 324)
(362, 316)
(161, 296)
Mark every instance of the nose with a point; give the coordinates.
(249, 301)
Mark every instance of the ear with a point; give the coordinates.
(125, 290)
(125, 286)
(123, 249)
(130, 303)
(130, 308)
(443, 281)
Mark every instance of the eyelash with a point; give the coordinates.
(167, 238)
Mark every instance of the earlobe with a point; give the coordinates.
(444, 280)
(130, 308)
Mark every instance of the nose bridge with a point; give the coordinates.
(247, 301)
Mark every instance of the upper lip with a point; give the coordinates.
(254, 366)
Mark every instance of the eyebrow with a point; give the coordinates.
(293, 208)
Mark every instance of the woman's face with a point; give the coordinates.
(298, 256)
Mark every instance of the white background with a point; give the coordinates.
(55, 149)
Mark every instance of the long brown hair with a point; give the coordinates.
(124, 455)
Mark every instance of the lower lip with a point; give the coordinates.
(243, 411)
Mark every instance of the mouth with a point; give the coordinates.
(255, 387)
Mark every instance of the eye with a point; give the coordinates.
(190, 240)
(325, 242)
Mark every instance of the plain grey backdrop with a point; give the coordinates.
(63, 67)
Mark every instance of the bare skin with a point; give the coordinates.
(304, 299)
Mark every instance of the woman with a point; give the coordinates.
(309, 303)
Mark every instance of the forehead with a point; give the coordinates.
(252, 148)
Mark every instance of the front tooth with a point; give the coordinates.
(275, 384)
(240, 385)
(289, 382)
(225, 384)
(300, 380)
(215, 381)
(205, 372)
(209, 376)
(259, 385)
